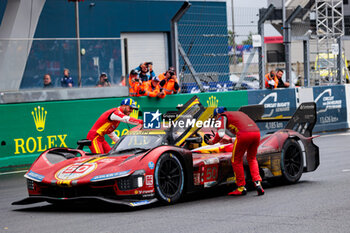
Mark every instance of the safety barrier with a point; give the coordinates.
(27, 129)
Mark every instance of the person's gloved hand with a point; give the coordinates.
(271, 82)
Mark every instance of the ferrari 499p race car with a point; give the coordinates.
(149, 165)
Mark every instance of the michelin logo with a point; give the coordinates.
(152, 120)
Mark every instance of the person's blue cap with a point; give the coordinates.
(129, 102)
(219, 110)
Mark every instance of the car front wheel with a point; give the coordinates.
(169, 178)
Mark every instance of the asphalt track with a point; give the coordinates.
(320, 202)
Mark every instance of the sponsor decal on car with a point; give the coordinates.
(146, 191)
(151, 165)
(138, 203)
(35, 176)
(110, 175)
(75, 171)
(149, 180)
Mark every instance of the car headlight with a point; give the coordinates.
(135, 180)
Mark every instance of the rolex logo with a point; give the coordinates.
(212, 102)
(39, 116)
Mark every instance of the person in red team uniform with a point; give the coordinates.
(247, 139)
(108, 122)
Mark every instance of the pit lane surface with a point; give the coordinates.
(320, 202)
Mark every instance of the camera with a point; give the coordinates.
(171, 73)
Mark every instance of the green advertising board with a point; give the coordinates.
(28, 129)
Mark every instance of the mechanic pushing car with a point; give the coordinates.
(247, 139)
(108, 122)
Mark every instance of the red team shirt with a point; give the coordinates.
(247, 140)
(104, 125)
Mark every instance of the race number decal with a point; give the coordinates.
(211, 173)
(75, 171)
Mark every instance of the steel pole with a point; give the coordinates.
(261, 50)
(174, 35)
(78, 41)
(287, 43)
(339, 61)
(306, 46)
(233, 35)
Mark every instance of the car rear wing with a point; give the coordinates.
(302, 121)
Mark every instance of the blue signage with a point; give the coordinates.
(278, 104)
(331, 107)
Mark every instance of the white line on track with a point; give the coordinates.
(14, 172)
(335, 134)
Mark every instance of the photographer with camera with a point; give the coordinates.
(169, 82)
(135, 84)
(144, 69)
(103, 81)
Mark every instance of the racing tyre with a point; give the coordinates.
(169, 178)
(292, 161)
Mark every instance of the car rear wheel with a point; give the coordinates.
(292, 161)
(169, 178)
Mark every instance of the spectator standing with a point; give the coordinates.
(135, 84)
(280, 83)
(271, 80)
(67, 80)
(47, 81)
(169, 82)
(152, 88)
(144, 69)
(103, 81)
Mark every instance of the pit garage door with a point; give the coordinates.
(147, 47)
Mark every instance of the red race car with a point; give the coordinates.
(148, 165)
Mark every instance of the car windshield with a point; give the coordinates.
(137, 143)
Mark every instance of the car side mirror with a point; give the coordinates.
(194, 140)
(82, 143)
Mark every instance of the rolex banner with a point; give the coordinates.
(28, 129)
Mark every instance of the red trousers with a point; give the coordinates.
(245, 141)
(98, 144)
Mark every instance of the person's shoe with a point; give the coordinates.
(259, 188)
(240, 191)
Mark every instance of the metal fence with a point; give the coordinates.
(218, 56)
